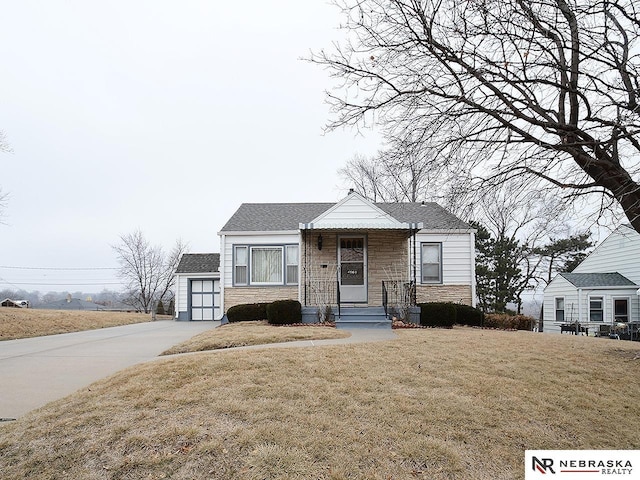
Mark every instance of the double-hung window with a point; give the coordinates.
(292, 264)
(431, 258)
(596, 312)
(559, 305)
(265, 265)
(240, 265)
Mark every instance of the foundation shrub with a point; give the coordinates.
(247, 312)
(504, 321)
(284, 312)
(468, 315)
(437, 314)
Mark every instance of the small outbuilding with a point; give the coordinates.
(198, 287)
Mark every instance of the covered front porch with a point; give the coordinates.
(358, 277)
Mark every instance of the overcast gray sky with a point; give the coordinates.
(162, 116)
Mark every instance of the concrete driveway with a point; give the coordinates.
(36, 371)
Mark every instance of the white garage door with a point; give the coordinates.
(205, 299)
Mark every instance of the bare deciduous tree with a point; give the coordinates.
(547, 90)
(4, 197)
(390, 176)
(147, 270)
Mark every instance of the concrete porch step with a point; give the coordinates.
(362, 317)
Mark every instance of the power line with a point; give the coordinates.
(58, 268)
(62, 284)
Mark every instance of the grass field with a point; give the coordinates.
(433, 404)
(32, 322)
(253, 333)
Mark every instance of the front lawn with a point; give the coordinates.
(243, 334)
(34, 322)
(433, 404)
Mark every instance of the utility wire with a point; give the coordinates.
(61, 284)
(59, 268)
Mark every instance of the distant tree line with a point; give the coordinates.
(106, 298)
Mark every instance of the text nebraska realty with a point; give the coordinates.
(606, 467)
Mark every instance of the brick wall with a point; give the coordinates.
(239, 295)
(444, 293)
(387, 258)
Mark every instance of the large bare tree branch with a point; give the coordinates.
(498, 87)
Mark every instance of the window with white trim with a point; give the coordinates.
(559, 306)
(292, 264)
(596, 312)
(431, 261)
(240, 265)
(265, 264)
(621, 309)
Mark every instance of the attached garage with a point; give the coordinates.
(198, 287)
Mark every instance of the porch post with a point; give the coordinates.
(415, 284)
(304, 240)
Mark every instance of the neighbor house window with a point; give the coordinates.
(431, 262)
(559, 309)
(596, 313)
(292, 264)
(240, 265)
(266, 265)
(621, 309)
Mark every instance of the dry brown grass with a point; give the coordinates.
(434, 404)
(32, 322)
(243, 334)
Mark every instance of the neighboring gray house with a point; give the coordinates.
(198, 287)
(354, 253)
(602, 290)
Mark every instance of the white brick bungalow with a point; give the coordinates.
(602, 290)
(343, 253)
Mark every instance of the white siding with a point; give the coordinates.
(576, 302)
(559, 287)
(458, 256)
(619, 252)
(182, 283)
(228, 241)
(354, 211)
(182, 292)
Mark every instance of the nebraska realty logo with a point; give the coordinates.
(582, 464)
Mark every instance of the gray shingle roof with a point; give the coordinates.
(199, 263)
(268, 217)
(582, 280)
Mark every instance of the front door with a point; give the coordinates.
(352, 259)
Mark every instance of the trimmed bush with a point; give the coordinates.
(468, 315)
(284, 312)
(437, 314)
(247, 312)
(504, 321)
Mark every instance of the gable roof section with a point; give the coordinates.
(584, 280)
(355, 211)
(199, 263)
(272, 217)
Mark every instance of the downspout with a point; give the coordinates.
(300, 287)
(306, 265)
(415, 283)
(472, 238)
